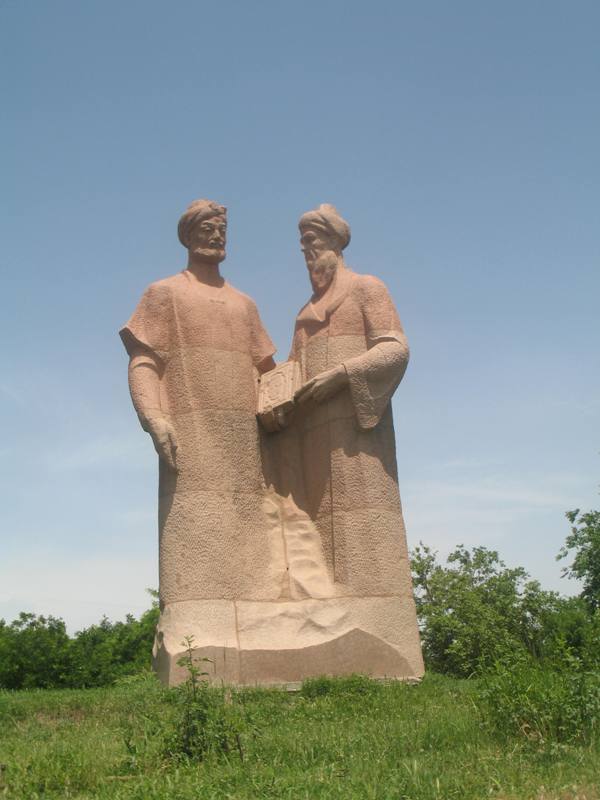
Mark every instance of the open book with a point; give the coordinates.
(276, 394)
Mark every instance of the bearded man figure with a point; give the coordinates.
(352, 353)
(196, 348)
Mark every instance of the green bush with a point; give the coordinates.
(542, 703)
(207, 721)
(107, 651)
(474, 610)
(34, 653)
(37, 652)
(570, 627)
(584, 541)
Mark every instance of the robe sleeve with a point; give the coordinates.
(261, 346)
(375, 374)
(295, 348)
(146, 334)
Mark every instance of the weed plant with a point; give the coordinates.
(352, 685)
(543, 703)
(207, 720)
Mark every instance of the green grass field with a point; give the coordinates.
(349, 741)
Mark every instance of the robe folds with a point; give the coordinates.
(206, 342)
(349, 472)
(282, 554)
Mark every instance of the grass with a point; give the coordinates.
(341, 739)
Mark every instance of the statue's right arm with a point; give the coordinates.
(144, 386)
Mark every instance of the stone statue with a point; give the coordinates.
(282, 553)
(196, 346)
(352, 353)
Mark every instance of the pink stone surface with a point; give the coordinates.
(337, 460)
(283, 554)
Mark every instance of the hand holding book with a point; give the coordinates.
(276, 395)
(323, 386)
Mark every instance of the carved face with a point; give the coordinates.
(314, 242)
(321, 253)
(208, 238)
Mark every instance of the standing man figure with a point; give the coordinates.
(196, 348)
(352, 353)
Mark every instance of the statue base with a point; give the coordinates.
(251, 643)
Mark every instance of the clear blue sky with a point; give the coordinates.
(459, 139)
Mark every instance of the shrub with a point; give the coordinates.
(34, 653)
(570, 628)
(475, 610)
(37, 652)
(584, 540)
(208, 719)
(105, 652)
(544, 704)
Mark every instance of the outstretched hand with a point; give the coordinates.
(323, 386)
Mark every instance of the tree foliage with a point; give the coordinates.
(34, 653)
(584, 540)
(474, 609)
(37, 652)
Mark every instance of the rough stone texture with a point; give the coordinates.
(214, 539)
(282, 643)
(282, 554)
(276, 395)
(337, 461)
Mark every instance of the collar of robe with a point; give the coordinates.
(318, 309)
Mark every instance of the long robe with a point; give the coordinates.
(350, 482)
(215, 541)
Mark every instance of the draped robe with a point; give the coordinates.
(205, 342)
(309, 576)
(349, 484)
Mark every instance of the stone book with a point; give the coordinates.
(276, 394)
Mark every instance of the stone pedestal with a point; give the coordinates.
(282, 643)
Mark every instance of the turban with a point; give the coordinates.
(196, 212)
(328, 219)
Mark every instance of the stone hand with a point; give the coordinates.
(284, 417)
(323, 386)
(276, 419)
(165, 441)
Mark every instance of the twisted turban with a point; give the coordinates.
(328, 219)
(196, 212)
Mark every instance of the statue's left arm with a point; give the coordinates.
(373, 376)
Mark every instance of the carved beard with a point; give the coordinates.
(214, 254)
(322, 271)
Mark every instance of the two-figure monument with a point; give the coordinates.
(282, 548)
